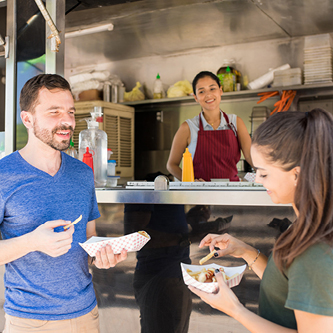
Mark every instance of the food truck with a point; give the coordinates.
(105, 48)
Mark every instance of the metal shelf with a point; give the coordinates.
(317, 90)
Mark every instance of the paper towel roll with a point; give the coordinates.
(266, 79)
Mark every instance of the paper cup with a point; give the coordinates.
(212, 287)
(131, 243)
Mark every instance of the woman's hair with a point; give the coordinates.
(30, 91)
(303, 139)
(201, 75)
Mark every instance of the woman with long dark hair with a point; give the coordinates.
(215, 139)
(293, 156)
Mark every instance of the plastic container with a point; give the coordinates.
(71, 151)
(112, 167)
(121, 93)
(96, 140)
(112, 181)
(258, 116)
(288, 77)
(158, 88)
(88, 159)
(188, 172)
(238, 83)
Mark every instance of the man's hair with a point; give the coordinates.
(29, 92)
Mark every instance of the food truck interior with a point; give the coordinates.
(175, 39)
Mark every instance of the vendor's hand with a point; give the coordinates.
(46, 240)
(199, 180)
(224, 300)
(227, 245)
(105, 258)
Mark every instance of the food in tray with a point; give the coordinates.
(208, 275)
(193, 275)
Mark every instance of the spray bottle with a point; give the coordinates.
(96, 140)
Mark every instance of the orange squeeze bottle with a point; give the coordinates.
(188, 173)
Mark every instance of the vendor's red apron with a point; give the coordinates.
(217, 153)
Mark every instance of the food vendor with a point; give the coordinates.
(214, 138)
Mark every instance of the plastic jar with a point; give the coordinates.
(112, 167)
(112, 181)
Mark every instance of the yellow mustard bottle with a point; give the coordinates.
(188, 173)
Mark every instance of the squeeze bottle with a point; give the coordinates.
(158, 88)
(228, 80)
(96, 140)
(88, 159)
(188, 173)
(71, 151)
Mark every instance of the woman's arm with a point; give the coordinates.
(234, 247)
(244, 140)
(309, 322)
(180, 142)
(226, 301)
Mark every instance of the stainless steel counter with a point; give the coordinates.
(241, 197)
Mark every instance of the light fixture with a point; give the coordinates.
(93, 30)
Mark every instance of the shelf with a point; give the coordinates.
(317, 90)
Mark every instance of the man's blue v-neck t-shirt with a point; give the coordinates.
(37, 285)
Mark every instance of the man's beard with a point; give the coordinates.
(47, 137)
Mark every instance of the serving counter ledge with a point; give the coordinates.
(241, 197)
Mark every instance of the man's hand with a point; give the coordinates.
(105, 258)
(46, 240)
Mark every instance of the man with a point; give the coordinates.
(48, 284)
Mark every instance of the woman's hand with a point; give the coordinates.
(234, 247)
(224, 300)
(227, 245)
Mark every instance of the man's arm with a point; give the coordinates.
(42, 239)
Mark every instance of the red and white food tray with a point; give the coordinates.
(212, 287)
(131, 243)
(250, 177)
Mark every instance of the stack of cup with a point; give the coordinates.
(112, 178)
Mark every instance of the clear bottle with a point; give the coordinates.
(96, 140)
(238, 75)
(158, 88)
(71, 151)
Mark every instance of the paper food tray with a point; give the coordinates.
(212, 287)
(131, 243)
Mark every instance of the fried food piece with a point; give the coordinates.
(208, 256)
(143, 233)
(74, 222)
